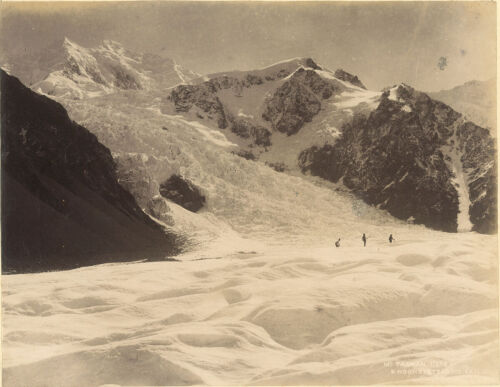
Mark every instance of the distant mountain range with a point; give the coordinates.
(66, 69)
(475, 99)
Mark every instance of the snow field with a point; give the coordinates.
(273, 315)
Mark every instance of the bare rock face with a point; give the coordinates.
(203, 96)
(345, 76)
(291, 107)
(298, 100)
(394, 159)
(312, 64)
(484, 210)
(247, 129)
(182, 192)
(247, 155)
(62, 205)
(478, 150)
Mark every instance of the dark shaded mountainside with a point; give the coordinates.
(405, 156)
(62, 206)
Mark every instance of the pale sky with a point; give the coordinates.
(382, 43)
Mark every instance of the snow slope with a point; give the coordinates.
(461, 182)
(423, 310)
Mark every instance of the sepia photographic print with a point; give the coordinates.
(249, 193)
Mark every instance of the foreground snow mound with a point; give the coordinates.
(422, 310)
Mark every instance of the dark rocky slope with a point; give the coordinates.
(395, 159)
(298, 100)
(479, 159)
(182, 192)
(62, 206)
(245, 128)
(345, 76)
(204, 97)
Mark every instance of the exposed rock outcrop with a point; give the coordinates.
(278, 167)
(478, 150)
(298, 100)
(352, 79)
(247, 129)
(182, 192)
(202, 96)
(247, 155)
(62, 206)
(312, 64)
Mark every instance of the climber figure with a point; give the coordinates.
(363, 238)
(391, 238)
(337, 244)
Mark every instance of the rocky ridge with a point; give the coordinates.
(394, 159)
(62, 206)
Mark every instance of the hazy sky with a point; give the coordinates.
(382, 43)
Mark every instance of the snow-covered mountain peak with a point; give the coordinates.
(67, 69)
(285, 69)
(69, 43)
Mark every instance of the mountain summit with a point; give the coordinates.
(68, 70)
